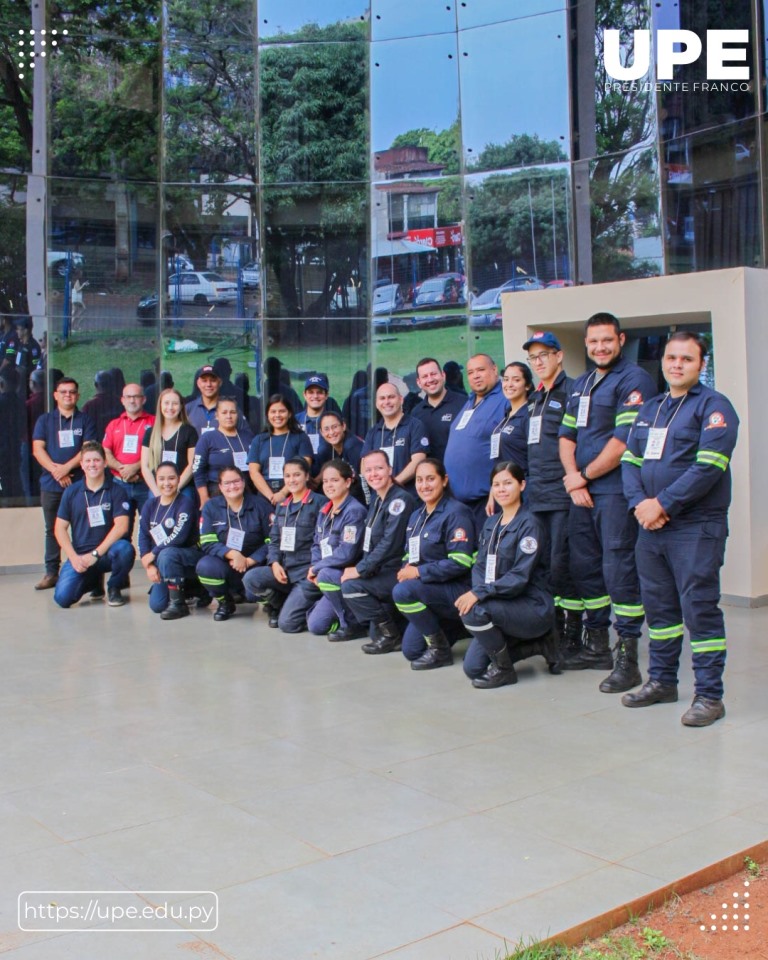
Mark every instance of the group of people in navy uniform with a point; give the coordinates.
(515, 517)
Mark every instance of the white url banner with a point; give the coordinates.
(118, 911)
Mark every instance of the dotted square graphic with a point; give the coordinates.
(36, 44)
(740, 920)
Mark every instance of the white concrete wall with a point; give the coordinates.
(734, 302)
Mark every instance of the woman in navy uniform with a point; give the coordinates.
(227, 446)
(509, 440)
(343, 445)
(509, 603)
(233, 537)
(338, 544)
(168, 535)
(440, 544)
(290, 545)
(269, 451)
(366, 588)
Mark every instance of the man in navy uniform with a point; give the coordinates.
(316, 403)
(602, 532)
(439, 407)
(401, 437)
(57, 439)
(677, 480)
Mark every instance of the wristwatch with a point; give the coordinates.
(584, 474)
(95, 553)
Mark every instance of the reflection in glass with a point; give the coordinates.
(278, 18)
(210, 112)
(395, 19)
(13, 251)
(501, 130)
(527, 247)
(210, 21)
(480, 13)
(314, 106)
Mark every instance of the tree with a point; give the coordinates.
(443, 147)
(521, 150)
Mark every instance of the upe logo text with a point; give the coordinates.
(689, 47)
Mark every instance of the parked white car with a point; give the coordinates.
(57, 260)
(193, 286)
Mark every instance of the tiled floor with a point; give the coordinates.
(344, 807)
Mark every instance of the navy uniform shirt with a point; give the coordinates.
(468, 454)
(204, 419)
(214, 451)
(513, 438)
(614, 402)
(178, 521)
(692, 477)
(278, 448)
(300, 515)
(253, 518)
(544, 488)
(519, 565)
(386, 520)
(403, 441)
(446, 541)
(338, 541)
(437, 420)
(85, 534)
(53, 428)
(28, 356)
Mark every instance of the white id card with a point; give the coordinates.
(495, 444)
(390, 452)
(326, 550)
(96, 517)
(66, 438)
(534, 429)
(275, 470)
(235, 539)
(465, 418)
(583, 414)
(490, 568)
(367, 540)
(288, 539)
(207, 429)
(131, 443)
(241, 459)
(158, 534)
(657, 437)
(414, 549)
(169, 456)
(314, 439)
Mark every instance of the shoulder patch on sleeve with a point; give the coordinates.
(397, 506)
(350, 534)
(635, 399)
(716, 420)
(460, 534)
(424, 442)
(529, 544)
(126, 505)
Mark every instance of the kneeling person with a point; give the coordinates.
(92, 520)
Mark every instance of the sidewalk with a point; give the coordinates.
(342, 806)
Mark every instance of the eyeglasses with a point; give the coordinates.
(67, 393)
(533, 359)
(230, 483)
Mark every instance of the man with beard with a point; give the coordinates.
(438, 408)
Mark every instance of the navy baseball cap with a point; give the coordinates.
(316, 380)
(546, 339)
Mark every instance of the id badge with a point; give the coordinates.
(170, 456)
(275, 470)
(390, 452)
(66, 438)
(207, 429)
(414, 549)
(465, 418)
(96, 516)
(583, 415)
(288, 539)
(495, 444)
(241, 460)
(131, 443)
(158, 534)
(367, 540)
(657, 437)
(235, 539)
(490, 568)
(534, 430)
(314, 439)
(326, 550)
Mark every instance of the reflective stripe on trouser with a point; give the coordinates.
(292, 603)
(426, 606)
(369, 599)
(218, 578)
(491, 622)
(320, 619)
(553, 528)
(679, 569)
(602, 543)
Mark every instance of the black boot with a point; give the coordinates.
(386, 638)
(595, 653)
(351, 632)
(499, 673)
(560, 621)
(547, 646)
(271, 607)
(225, 609)
(571, 636)
(626, 673)
(177, 605)
(437, 654)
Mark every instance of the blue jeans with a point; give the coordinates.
(174, 563)
(72, 585)
(136, 494)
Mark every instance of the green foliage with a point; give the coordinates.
(442, 147)
(654, 939)
(753, 868)
(521, 150)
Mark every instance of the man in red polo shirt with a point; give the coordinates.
(122, 444)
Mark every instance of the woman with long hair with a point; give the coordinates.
(271, 450)
(342, 445)
(172, 439)
(509, 439)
